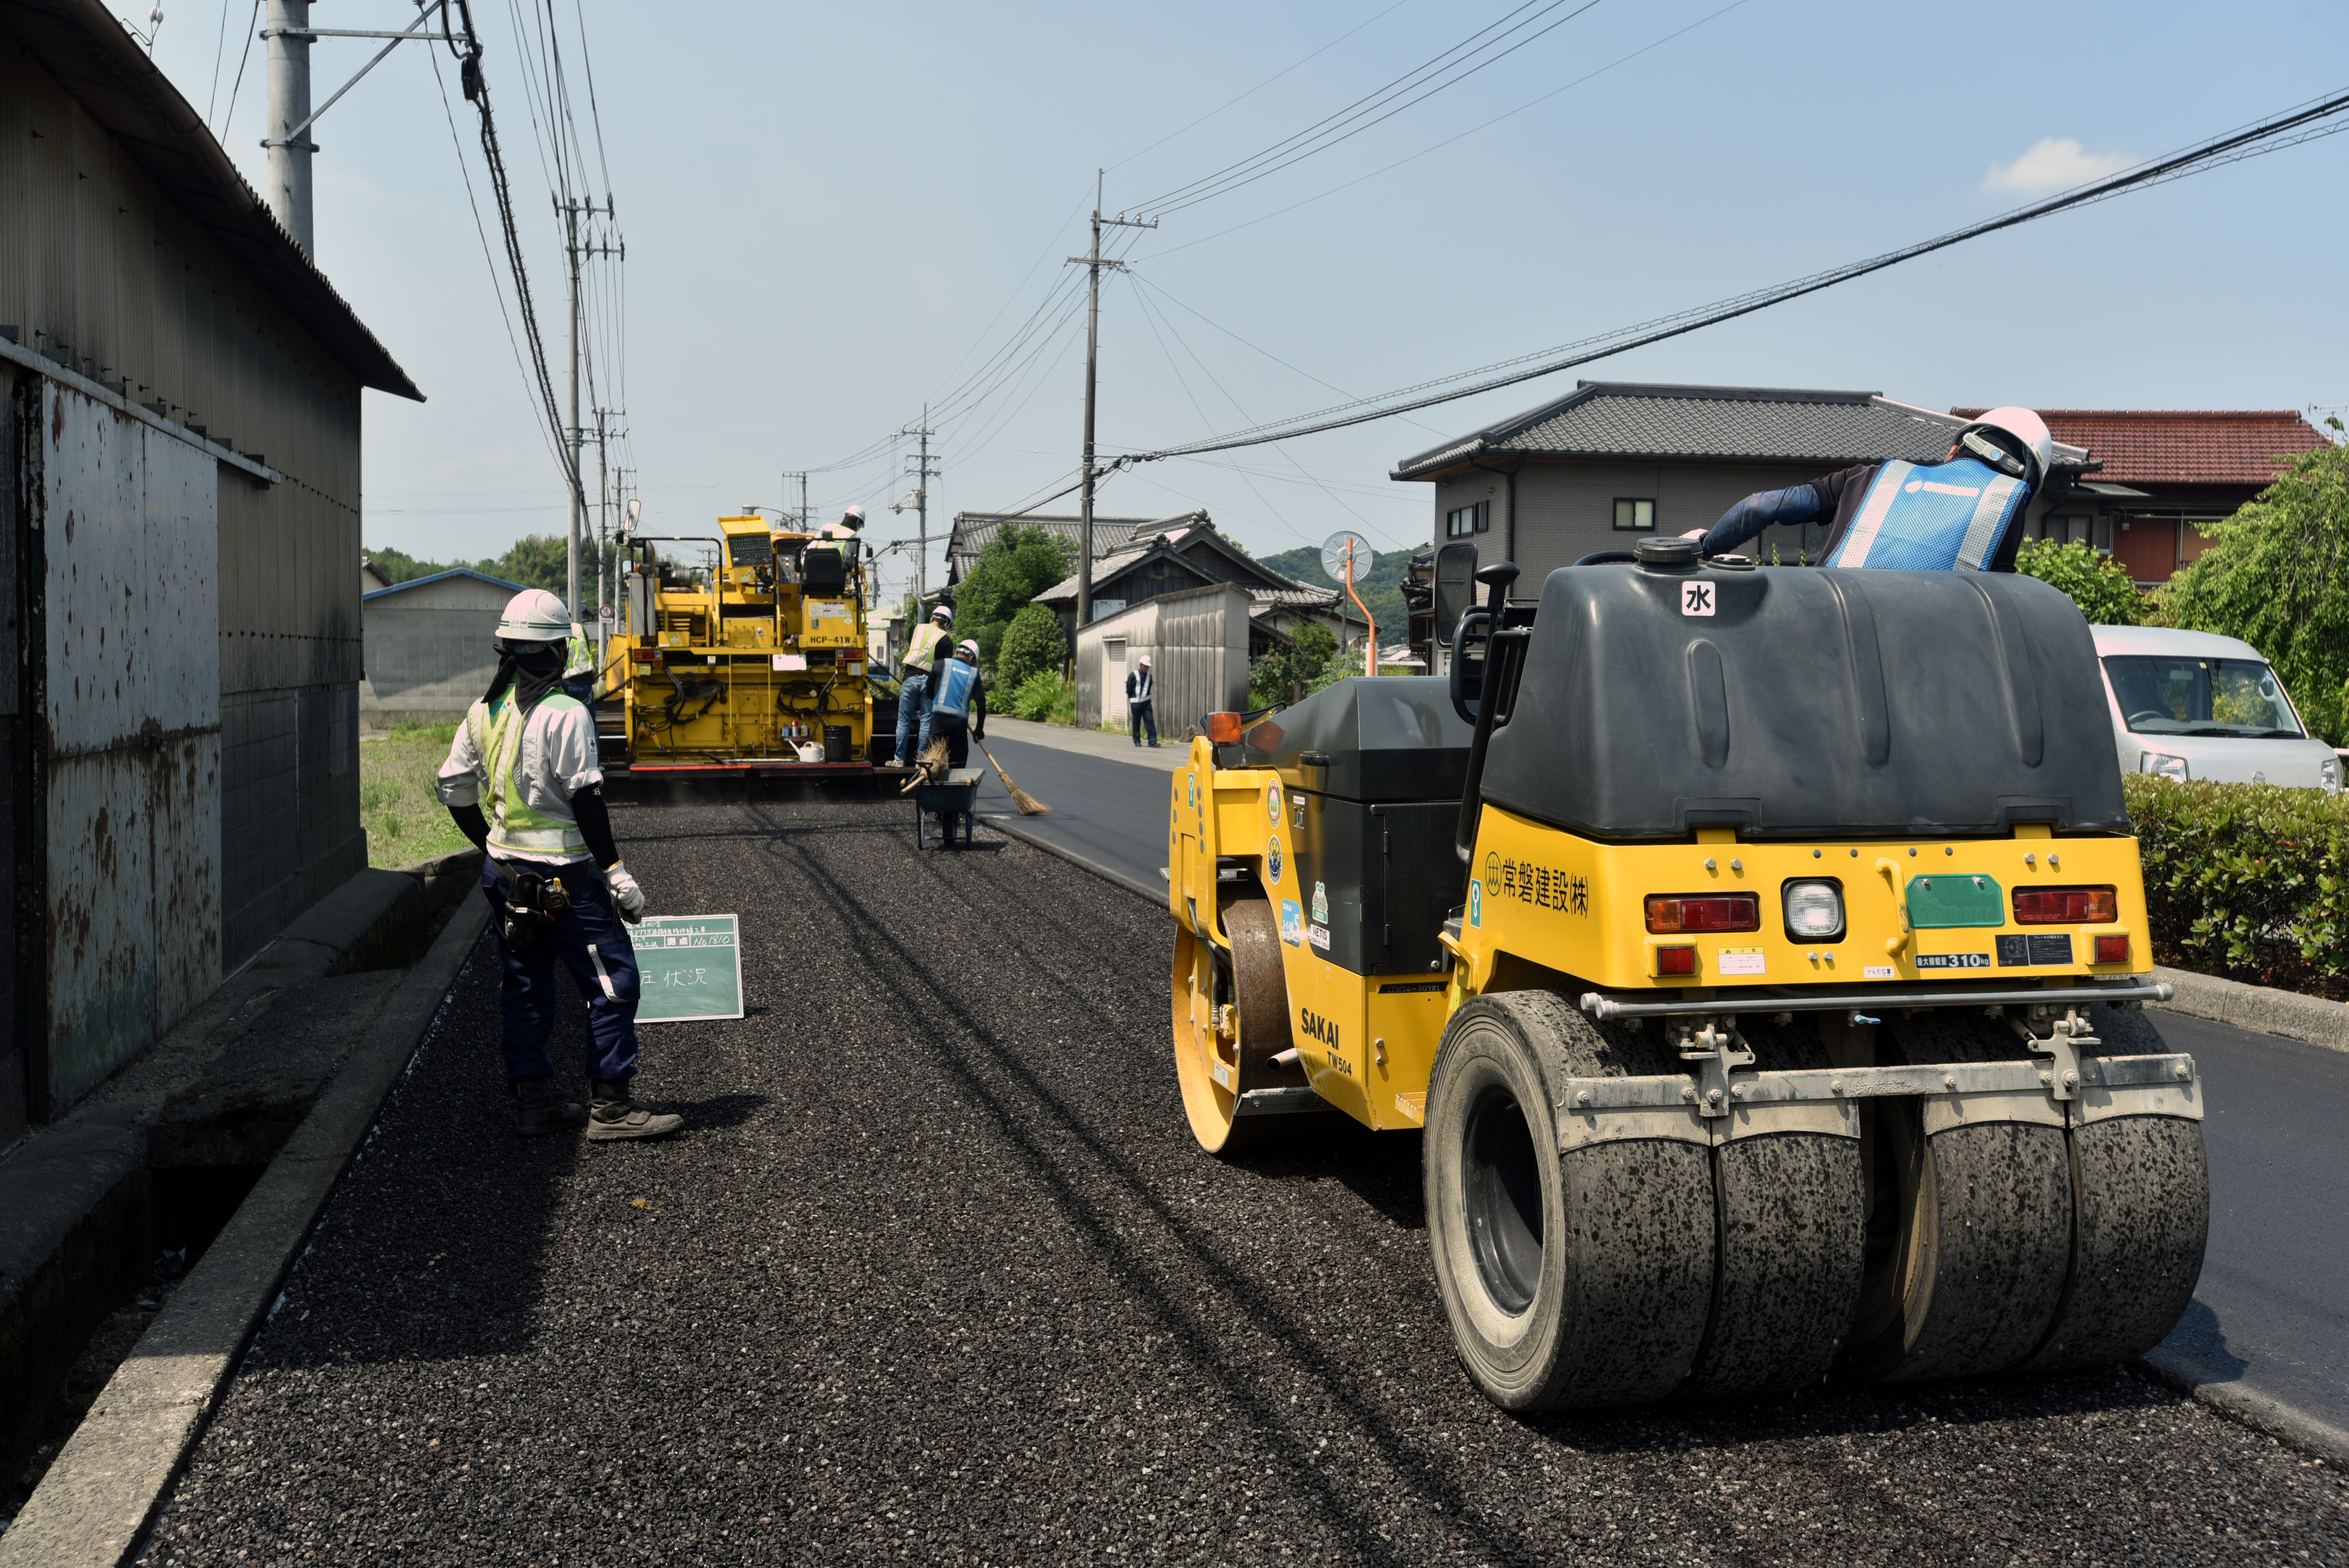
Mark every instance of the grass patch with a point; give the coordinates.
(405, 822)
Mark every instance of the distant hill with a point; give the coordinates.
(1380, 587)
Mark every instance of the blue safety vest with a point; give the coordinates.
(1939, 517)
(957, 681)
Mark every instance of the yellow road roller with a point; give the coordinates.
(1761, 953)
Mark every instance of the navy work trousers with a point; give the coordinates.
(1145, 716)
(592, 941)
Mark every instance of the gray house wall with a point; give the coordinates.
(1566, 510)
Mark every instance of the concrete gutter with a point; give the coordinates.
(2221, 1390)
(93, 1508)
(2260, 1007)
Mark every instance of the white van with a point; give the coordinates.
(2194, 704)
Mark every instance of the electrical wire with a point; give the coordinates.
(238, 87)
(1372, 108)
(2303, 123)
(1259, 87)
(1461, 136)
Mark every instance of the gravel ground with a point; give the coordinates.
(937, 1275)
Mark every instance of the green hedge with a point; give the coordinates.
(2247, 880)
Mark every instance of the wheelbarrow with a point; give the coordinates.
(954, 796)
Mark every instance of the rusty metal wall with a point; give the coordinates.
(250, 815)
(16, 927)
(133, 766)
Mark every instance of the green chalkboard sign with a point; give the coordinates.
(690, 966)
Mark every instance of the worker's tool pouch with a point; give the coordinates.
(531, 903)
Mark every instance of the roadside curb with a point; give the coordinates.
(2260, 1007)
(1141, 890)
(2261, 1412)
(93, 1508)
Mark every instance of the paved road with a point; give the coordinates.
(1110, 812)
(2272, 1315)
(936, 1276)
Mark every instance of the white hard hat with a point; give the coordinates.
(853, 518)
(968, 645)
(534, 615)
(2025, 452)
(943, 613)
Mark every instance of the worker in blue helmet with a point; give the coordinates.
(1963, 514)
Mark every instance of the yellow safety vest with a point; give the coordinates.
(924, 649)
(514, 828)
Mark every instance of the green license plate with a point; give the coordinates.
(1950, 899)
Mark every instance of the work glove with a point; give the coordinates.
(626, 894)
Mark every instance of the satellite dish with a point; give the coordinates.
(1334, 551)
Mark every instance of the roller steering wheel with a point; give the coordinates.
(2148, 712)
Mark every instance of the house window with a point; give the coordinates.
(1634, 516)
(1463, 521)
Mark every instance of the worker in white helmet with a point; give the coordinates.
(552, 876)
(1963, 514)
(923, 653)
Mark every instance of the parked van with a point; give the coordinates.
(2194, 704)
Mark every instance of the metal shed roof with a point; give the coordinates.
(443, 577)
(79, 44)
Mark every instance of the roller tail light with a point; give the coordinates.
(2113, 948)
(1672, 914)
(1676, 960)
(2066, 906)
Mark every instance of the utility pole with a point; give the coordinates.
(287, 37)
(603, 514)
(923, 474)
(1093, 366)
(574, 251)
(803, 509)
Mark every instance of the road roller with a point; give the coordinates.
(1760, 954)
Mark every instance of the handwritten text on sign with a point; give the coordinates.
(689, 966)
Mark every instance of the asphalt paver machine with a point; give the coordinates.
(1762, 953)
(741, 653)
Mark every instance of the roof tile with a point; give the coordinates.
(2183, 445)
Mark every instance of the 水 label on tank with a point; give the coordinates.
(1740, 961)
(688, 966)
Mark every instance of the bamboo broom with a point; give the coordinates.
(1029, 805)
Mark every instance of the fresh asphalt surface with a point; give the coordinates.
(937, 1275)
(1112, 814)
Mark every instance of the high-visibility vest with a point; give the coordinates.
(1938, 517)
(923, 649)
(516, 827)
(956, 682)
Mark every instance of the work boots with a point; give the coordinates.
(540, 1107)
(616, 1116)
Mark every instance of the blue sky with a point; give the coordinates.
(834, 213)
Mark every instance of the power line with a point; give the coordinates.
(1461, 136)
(1333, 129)
(1254, 90)
(2290, 129)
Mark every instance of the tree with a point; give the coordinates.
(1031, 642)
(2277, 576)
(1379, 587)
(1017, 564)
(1285, 675)
(2100, 585)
